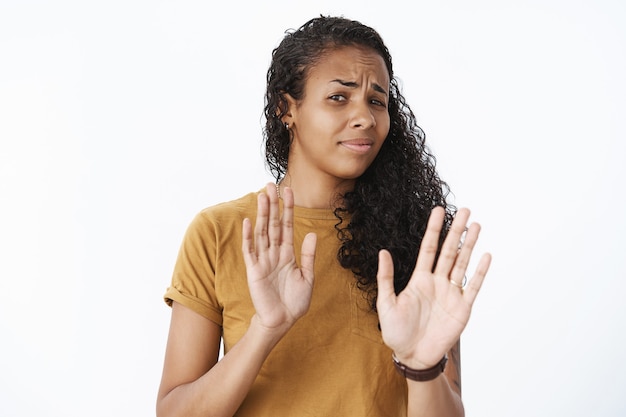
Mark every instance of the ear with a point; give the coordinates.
(288, 117)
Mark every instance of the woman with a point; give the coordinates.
(321, 304)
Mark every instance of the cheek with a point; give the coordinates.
(326, 120)
(384, 126)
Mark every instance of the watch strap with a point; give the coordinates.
(421, 375)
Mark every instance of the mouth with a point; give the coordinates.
(361, 145)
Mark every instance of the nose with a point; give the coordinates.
(362, 116)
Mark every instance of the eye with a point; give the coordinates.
(377, 102)
(337, 97)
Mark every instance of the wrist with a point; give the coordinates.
(270, 335)
(421, 374)
(416, 358)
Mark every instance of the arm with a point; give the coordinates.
(194, 383)
(426, 319)
(441, 396)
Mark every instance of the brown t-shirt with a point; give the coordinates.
(333, 361)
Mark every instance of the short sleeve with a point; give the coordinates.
(193, 280)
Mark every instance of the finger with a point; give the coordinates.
(474, 285)
(386, 292)
(247, 247)
(430, 241)
(260, 228)
(307, 257)
(287, 220)
(459, 270)
(450, 248)
(273, 229)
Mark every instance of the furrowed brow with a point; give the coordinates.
(352, 84)
(378, 88)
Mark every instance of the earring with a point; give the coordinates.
(287, 126)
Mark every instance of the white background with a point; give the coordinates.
(119, 120)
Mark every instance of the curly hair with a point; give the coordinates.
(391, 201)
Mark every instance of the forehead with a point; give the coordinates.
(350, 63)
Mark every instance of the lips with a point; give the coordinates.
(360, 145)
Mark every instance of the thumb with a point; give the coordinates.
(384, 277)
(307, 257)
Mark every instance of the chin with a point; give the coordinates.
(354, 175)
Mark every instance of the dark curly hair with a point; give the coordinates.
(391, 201)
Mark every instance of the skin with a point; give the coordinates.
(338, 128)
(426, 319)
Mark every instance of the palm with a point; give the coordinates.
(280, 290)
(424, 321)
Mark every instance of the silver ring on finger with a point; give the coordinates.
(461, 240)
(459, 285)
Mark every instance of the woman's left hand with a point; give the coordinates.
(426, 319)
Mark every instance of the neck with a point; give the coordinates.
(312, 193)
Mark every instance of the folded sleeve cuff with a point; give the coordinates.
(195, 304)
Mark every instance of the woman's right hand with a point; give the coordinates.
(280, 290)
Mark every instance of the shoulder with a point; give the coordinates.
(241, 206)
(225, 216)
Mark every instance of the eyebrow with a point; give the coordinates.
(352, 84)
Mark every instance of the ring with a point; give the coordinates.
(461, 240)
(461, 285)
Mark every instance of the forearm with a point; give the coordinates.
(221, 390)
(433, 399)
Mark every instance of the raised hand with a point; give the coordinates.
(280, 290)
(424, 321)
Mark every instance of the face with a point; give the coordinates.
(342, 120)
